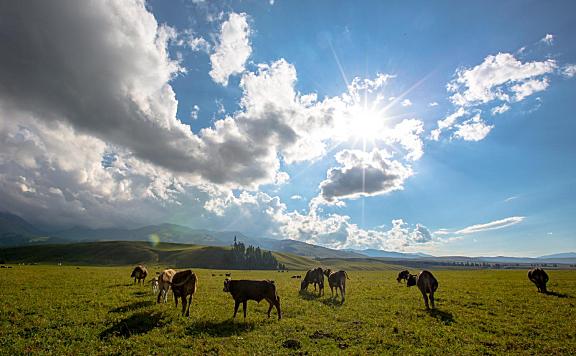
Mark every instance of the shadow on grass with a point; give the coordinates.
(120, 285)
(221, 329)
(559, 295)
(141, 294)
(139, 323)
(132, 306)
(333, 301)
(445, 317)
(304, 294)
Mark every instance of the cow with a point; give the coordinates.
(427, 285)
(184, 283)
(337, 280)
(154, 283)
(539, 277)
(403, 276)
(228, 274)
(164, 280)
(316, 277)
(244, 290)
(139, 274)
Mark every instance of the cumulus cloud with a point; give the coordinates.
(232, 50)
(493, 225)
(363, 174)
(406, 103)
(548, 39)
(474, 129)
(500, 109)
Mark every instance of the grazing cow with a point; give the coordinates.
(154, 283)
(316, 277)
(403, 276)
(164, 280)
(427, 285)
(337, 280)
(244, 290)
(228, 274)
(539, 277)
(139, 274)
(184, 283)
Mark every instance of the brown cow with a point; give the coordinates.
(337, 280)
(539, 277)
(403, 276)
(139, 274)
(244, 290)
(164, 280)
(316, 277)
(427, 285)
(184, 283)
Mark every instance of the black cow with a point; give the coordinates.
(539, 277)
(244, 290)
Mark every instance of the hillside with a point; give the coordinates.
(134, 252)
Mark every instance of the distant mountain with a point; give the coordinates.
(560, 255)
(389, 254)
(16, 227)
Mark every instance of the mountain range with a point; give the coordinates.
(15, 231)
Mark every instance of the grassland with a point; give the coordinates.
(97, 310)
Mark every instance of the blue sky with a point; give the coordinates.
(439, 127)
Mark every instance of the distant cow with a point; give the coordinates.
(403, 276)
(228, 274)
(539, 277)
(316, 277)
(154, 283)
(427, 285)
(139, 274)
(164, 280)
(184, 283)
(337, 280)
(244, 290)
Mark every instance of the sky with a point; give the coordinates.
(439, 127)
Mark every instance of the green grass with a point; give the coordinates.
(97, 310)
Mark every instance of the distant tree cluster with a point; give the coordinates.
(253, 257)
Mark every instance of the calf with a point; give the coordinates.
(337, 280)
(164, 280)
(316, 277)
(427, 285)
(184, 283)
(154, 283)
(403, 276)
(539, 277)
(244, 290)
(139, 274)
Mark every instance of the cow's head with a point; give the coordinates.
(303, 284)
(411, 280)
(327, 272)
(227, 285)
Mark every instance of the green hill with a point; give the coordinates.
(134, 252)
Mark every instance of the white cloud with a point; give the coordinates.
(493, 225)
(296, 197)
(493, 78)
(500, 109)
(528, 88)
(199, 44)
(447, 123)
(433, 104)
(548, 39)
(194, 112)
(474, 129)
(232, 49)
(569, 70)
(406, 103)
(363, 174)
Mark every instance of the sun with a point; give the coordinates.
(365, 123)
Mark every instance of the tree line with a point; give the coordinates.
(253, 257)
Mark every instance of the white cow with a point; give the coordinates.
(154, 283)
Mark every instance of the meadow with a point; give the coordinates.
(97, 310)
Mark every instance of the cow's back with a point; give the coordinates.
(253, 290)
(426, 282)
(166, 276)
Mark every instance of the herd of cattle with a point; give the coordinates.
(184, 284)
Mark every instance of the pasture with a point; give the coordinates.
(97, 310)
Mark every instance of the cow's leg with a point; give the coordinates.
(244, 307)
(277, 304)
(271, 304)
(425, 300)
(236, 305)
(332, 291)
(160, 296)
(189, 304)
(342, 293)
(432, 299)
(184, 303)
(176, 300)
